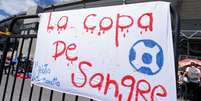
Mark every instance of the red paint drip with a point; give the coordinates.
(122, 26)
(147, 26)
(92, 31)
(64, 26)
(146, 29)
(105, 28)
(122, 29)
(127, 30)
(141, 32)
(99, 33)
(87, 27)
(120, 97)
(124, 35)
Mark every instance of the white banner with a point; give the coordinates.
(116, 53)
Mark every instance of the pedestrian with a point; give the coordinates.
(193, 75)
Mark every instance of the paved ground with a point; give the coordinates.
(45, 96)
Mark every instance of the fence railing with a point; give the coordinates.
(16, 60)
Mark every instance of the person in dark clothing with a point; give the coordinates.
(193, 75)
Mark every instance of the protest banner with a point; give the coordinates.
(116, 53)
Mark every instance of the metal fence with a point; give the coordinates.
(16, 60)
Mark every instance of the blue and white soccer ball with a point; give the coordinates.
(146, 56)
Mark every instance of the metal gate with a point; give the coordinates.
(18, 51)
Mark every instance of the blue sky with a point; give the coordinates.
(12, 7)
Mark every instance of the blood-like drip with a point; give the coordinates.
(99, 33)
(141, 32)
(64, 26)
(127, 30)
(68, 64)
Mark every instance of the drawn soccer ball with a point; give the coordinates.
(146, 56)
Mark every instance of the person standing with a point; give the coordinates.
(193, 75)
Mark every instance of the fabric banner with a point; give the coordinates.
(115, 53)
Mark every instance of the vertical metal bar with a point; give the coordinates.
(14, 82)
(3, 59)
(63, 96)
(188, 47)
(9, 68)
(124, 2)
(176, 34)
(177, 37)
(31, 92)
(40, 94)
(84, 3)
(25, 68)
(76, 98)
(51, 95)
